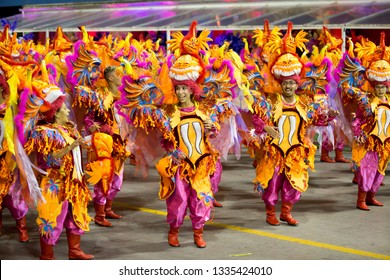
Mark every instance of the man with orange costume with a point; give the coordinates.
(286, 149)
(84, 72)
(371, 145)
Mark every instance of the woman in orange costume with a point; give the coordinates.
(195, 161)
(56, 144)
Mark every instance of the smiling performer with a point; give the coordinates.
(195, 159)
(286, 150)
(173, 104)
(55, 143)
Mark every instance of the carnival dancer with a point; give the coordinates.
(10, 196)
(370, 149)
(109, 123)
(55, 143)
(286, 150)
(173, 104)
(342, 124)
(316, 85)
(191, 190)
(193, 160)
(18, 184)
(83, 74)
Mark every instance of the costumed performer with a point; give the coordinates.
(371, 145)
(55, 143)
(287, 150)
(84, 72)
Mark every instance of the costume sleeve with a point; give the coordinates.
(259, 124)
(222, 110)
(262, 114)
(45, 140)
(352, 94)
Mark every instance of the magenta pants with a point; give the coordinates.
(327, 144)
(98, 195)
(216, 177)
(14, 201)
(64, 220)
(280, 184)
(184, 197)
(369, 179)
(17, 207)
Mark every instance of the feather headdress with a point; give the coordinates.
(81, 65)
(316, 74)
(189, 46)
(375, 59)
(285, 62)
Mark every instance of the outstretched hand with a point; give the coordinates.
(94, 128)
(78, 142)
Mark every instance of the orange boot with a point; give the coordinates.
(22, 229)
(371, 200)
(173, 237)
(75, 253)
(285, 216)
(108, 210)
(325, 156)
(271, 215)
(361, 201)
(217, 204)
(100, 217)
(340, 157)
(46, 250)
(198, 238)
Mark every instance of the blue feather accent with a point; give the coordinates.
(46, 227)
(208, 198)
(53, 162)
(52, 187)
(258, 188)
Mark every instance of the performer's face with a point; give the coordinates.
(183, 93)
(62, 115)
(116, 78)
(380, 90)
(289, 87)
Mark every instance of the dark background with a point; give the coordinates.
(9, 11)
(11, 7)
